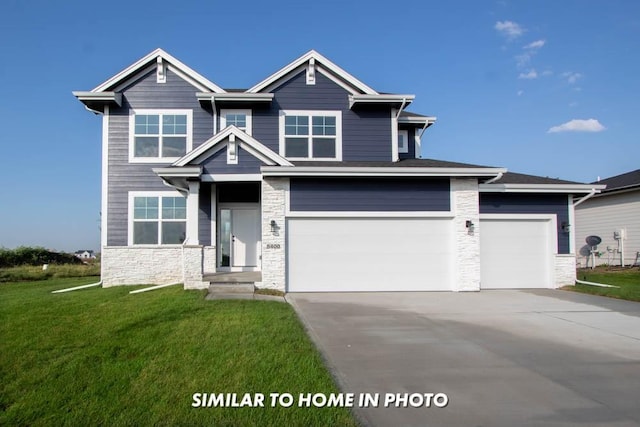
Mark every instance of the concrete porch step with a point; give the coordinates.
(231, 288)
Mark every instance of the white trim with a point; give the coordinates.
(231, 177)
(193, 207)
(160, 112)
(214, 219)
(217, 142)
(378, 171)
(418, 120)
(161, 72)
(318, 58)
(130, 204)
(310, 114)
(336, 80)
(403, 149)
(104, 208)
(245, 111)
(196, 79)
(417, 143)
(572, 225)
(311, 72)
(368, 214)
(85, 97)
(394, 136)
(214, 97)
(539, 188)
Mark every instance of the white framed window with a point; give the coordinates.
(157, 218)
(159, 136)
(239, 118)
(403, 141)
(311, 135)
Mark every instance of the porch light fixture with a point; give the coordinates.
(274, 226)
(470, 226)
(565, 226)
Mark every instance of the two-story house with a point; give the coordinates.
(314, 179)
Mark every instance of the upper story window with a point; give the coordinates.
(157, 218)
(158, 136)
(311, 135)
(403, 141)
(238, 118)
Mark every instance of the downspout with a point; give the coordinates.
(495, 178)
(96, 112)
(180, 190)
(585, 198)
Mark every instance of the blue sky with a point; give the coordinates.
(542, 87)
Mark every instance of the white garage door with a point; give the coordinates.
(516, 253)
(369, 254)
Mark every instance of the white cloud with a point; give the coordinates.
(523, 60)
(547, 73)
(520, 92)
(571, 76)
(578, 125)
(532, 74)
(509, 29)
(535, 45)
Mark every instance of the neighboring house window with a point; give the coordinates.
(403, 141)
(311, 135)
(238, 118)
(157, 219)
(159, 135)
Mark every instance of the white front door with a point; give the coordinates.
(239, 238)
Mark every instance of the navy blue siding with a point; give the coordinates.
(369, 194)
(217, 163)
(125, 177)
(557, 204)
(366, 134)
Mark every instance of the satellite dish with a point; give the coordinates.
(593, 240)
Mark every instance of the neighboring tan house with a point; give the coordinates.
(314, 179)
(614, 216)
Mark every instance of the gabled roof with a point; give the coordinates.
(624, 181)
(219, 141)
(189, 74)
(324, 65)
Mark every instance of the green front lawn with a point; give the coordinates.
(105, 357)
(628, 280)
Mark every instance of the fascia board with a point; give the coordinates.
(378, 171)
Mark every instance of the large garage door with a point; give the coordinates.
(515, 253)
(369, 254)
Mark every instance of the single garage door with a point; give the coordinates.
(369, 254)
(516, 253)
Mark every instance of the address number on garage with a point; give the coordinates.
(273, 245)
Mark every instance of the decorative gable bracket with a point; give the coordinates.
(311, 72)
(161, 72)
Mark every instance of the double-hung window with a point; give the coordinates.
(238, 118)
(159, 135)
(403, 141)
(311, 135)
(156, 219)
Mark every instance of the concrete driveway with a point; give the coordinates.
(503, 358)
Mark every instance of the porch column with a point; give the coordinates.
(193, 206)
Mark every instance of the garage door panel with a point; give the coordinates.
(368, 254)
(515, 253)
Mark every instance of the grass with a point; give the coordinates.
(54, 271)
(628, 280)
(105, 357)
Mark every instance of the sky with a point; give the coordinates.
(547, 88)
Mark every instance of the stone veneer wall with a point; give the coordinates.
(274, 194)
(465, 206)
(123, 265)
(209, 262)
(565, 269)
(192, 267)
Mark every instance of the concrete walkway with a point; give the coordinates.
(504, 358)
